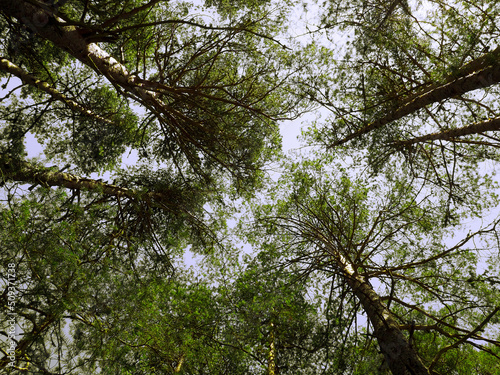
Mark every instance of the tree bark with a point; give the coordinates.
(187, 128)
(10, 67)
(70, 38)
(450, 134)
(485, 77)
(400, 356)
(22, 171)
(271, 360)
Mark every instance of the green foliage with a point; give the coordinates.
(88, 144)
(372, 228)
(322, 221)
(394, 53)
(214, 85)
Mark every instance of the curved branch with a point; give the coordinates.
(70, 39)
(204, 27)
(464, 338)
(131, 13)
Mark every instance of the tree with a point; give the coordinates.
(196, 96)
(363, 230)
(271, 316)
(416, 84)
(203, 86)
(384, 247)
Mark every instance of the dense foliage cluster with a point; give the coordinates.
(373, 249)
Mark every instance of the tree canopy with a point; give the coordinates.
(372, 249)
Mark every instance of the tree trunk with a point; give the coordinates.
(22, 171)
(400, 356)
(271, 361)
(70, 39)
(486, 77)
(10, 67)
(450, 134)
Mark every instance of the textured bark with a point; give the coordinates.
(487, 76)
(8, 66)
(399, 355)
(186, 127)
(70, 39)
(271, 360)
(22, 171)
(451, 134)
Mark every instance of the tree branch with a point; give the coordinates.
(22, 171)
(449, 135)
(12, 68)
(464, 338)
(485, 77)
